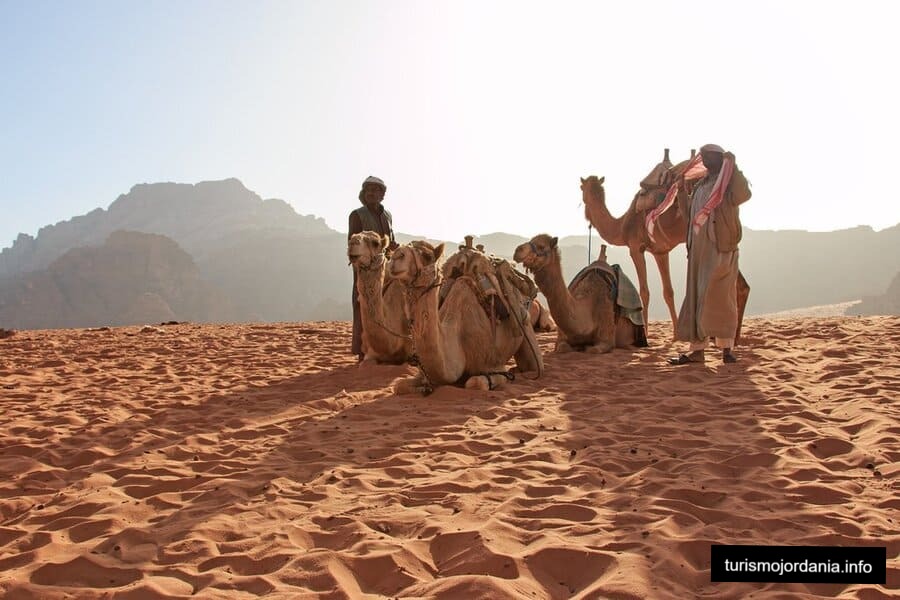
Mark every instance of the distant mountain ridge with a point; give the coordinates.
(132, 278)
(258, 260)
(197, 216)
(887, 303)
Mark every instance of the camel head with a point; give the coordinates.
(537, 253)
(366, 249)
(415, 264)
(592, 191)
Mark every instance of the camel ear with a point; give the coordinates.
(582, 179)
(602, 179)
(553, 242)
(438, 252)
(385, 241)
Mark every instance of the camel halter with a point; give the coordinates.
(376, 262)
(534, 249)
(420, 271)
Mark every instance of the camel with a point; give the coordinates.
(540, 317)
(585, 313)
(454, 337)
(630, 230)
(385, 328)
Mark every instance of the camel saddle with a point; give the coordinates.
(495, 302)
(628, 300)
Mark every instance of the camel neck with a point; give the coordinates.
(369, 285)
(559, 299)
(597, 213)
(427, 335)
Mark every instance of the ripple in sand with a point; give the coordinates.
(563, 512)
(82, 572)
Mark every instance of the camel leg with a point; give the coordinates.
(662, 263)
(368, 360)
(605, 339)
(625, 333)
(640, 265)
(743, 293)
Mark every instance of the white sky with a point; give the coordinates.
(480, 115)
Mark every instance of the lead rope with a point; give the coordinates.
(590, 227)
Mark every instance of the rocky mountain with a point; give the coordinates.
(887, 303)
(279, 275)
(197, 216)
(261, 261)
(132, 278)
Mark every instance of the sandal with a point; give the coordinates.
(682, 359)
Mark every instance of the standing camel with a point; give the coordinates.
(630, 230)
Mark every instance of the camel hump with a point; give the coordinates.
(621, 289)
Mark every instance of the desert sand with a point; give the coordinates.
(234, 461)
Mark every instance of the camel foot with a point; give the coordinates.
(485, 382)
(563, 347)
(601, 348)
(412, 385)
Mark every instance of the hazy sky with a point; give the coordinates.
(480, 115)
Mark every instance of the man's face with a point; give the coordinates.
(372, 194)
(712, 161)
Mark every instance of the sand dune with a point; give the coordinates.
(245, 460)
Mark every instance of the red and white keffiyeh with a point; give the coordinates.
(694, 171)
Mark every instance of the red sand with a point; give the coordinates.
(244, 460)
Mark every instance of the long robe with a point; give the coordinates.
(710, 298)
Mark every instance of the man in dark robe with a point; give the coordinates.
(371, 216)
(710, 308)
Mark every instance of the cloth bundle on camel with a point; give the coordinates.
(693, 171)
(653, 186)
(499, 287)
